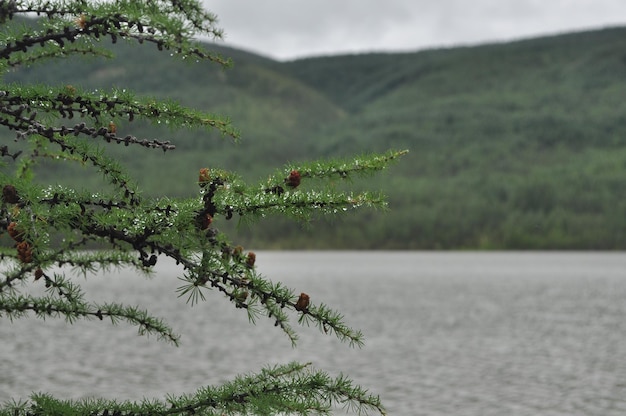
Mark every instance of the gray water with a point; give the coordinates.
(446, 334)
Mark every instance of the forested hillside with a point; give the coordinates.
(519, 145)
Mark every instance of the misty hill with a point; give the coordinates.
(516, 145)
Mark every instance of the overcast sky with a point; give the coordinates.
(288, 29)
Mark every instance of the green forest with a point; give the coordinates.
(517, 145)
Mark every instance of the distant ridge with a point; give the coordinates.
(515, 145)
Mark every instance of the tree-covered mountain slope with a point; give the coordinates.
(512, 145)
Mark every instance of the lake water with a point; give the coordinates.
(446, 334)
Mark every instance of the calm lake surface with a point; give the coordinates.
(446, 334)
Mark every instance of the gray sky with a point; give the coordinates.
(288, 29)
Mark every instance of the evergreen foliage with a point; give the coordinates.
(51, 225)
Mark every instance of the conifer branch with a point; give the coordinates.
(48, 226)
(38, 56)
(345, 168)
(17, 307)
(287, 389)
(22, 104)
(168, 25)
